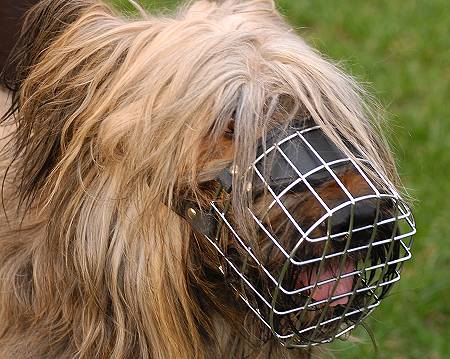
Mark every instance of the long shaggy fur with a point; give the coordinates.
(114, 119)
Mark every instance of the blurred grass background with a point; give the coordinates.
(400, 50)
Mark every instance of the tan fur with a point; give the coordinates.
(3, 100)
(116, 118)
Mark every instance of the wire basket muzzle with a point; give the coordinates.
(331, 241)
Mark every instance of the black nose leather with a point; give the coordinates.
(364, 215)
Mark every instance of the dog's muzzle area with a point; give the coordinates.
(331, 238)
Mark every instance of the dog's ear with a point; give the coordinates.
(43, 23)
(49, 72)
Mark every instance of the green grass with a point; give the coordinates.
(400, 48)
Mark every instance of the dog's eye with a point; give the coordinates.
(229, 131)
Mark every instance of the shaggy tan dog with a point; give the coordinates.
(112, 121)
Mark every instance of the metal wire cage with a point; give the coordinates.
(315, 277)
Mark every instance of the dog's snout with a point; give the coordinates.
(363, 213)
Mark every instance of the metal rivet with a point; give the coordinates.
(343, 239)
(234, 170)
(191, 213)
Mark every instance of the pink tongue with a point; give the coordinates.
(325, 290)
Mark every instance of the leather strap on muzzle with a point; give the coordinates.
(275, 167)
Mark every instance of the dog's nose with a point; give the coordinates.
(364, 214)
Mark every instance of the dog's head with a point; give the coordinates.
(201, 165)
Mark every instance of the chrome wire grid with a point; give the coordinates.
(330, 274)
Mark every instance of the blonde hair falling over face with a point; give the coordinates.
(111, 119)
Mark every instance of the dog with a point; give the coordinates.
(152, 181)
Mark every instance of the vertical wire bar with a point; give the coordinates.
(319, 272)
(341, 267)
(391, 248)
(283, 273)
(365, 264)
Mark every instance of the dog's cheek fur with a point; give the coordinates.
(108, 276)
